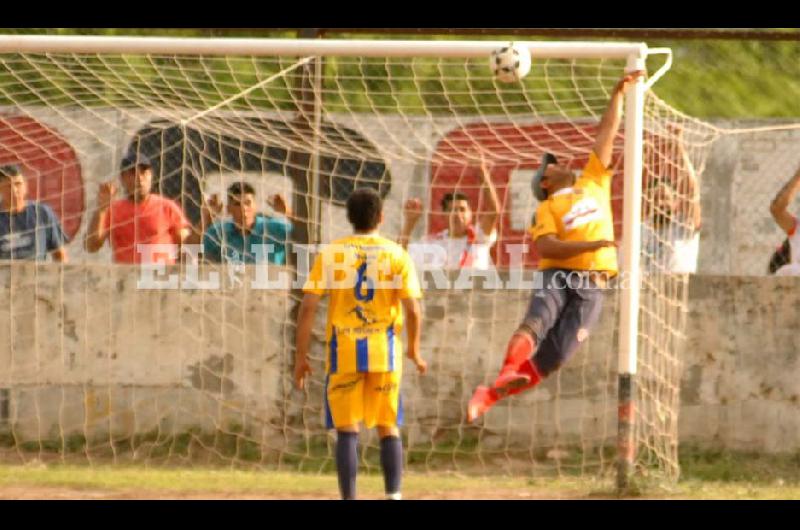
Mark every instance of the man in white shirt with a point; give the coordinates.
(672, 219)
(671, 234)
(464, 244)
(779, 208)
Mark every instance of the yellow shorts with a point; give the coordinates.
(371, 398)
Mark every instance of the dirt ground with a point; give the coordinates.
(65, 493)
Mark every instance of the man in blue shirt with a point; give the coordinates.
(29, 230)
(233, 240)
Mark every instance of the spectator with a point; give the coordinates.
(141, 218)
(464, 245)
(672, 220)
(29, 230)
(233, 240)
(788, 223)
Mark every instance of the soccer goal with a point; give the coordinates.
(92, 365)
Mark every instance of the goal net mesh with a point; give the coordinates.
(97, 366)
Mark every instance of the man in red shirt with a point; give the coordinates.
(142, 218)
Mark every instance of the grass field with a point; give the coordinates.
(706, 476)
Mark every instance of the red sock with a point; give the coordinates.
(519, 349)
(529, 369)
(518, 358)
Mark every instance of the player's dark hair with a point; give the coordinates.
(780, 257)
(10, 170)
(450, 197)
(237, 189)
(364, 208)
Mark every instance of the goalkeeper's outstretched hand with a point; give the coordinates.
(628, 81)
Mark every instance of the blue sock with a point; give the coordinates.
(392, 463)
(347, 463)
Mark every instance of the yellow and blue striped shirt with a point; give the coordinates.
(365, 277)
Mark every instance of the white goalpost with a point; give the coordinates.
(629, 299)
(94, 367)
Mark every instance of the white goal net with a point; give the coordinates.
(96, 364)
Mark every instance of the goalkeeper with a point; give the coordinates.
(574, 236)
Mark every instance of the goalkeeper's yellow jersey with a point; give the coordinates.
(365, 277)
(580, 213)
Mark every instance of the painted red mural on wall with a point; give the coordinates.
(50, 164)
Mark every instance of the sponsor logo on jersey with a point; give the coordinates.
(582, 212)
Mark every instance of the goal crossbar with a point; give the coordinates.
(363, 48)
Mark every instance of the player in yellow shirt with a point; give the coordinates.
(369, 280)
(574, 235)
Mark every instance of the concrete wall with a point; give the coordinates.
(83, 351)
(740, 386)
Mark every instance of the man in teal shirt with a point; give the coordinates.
(240, 238)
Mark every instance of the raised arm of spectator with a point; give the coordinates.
(779, 208)
(609, 124)
(209, 212)
(278, 203)
(98, 230)
(488, 218)
(412, 211)
(688, 189)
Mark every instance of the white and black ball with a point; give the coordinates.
(510, 63)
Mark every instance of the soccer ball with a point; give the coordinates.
(510, 63)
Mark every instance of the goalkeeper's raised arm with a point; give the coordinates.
(609, 124)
